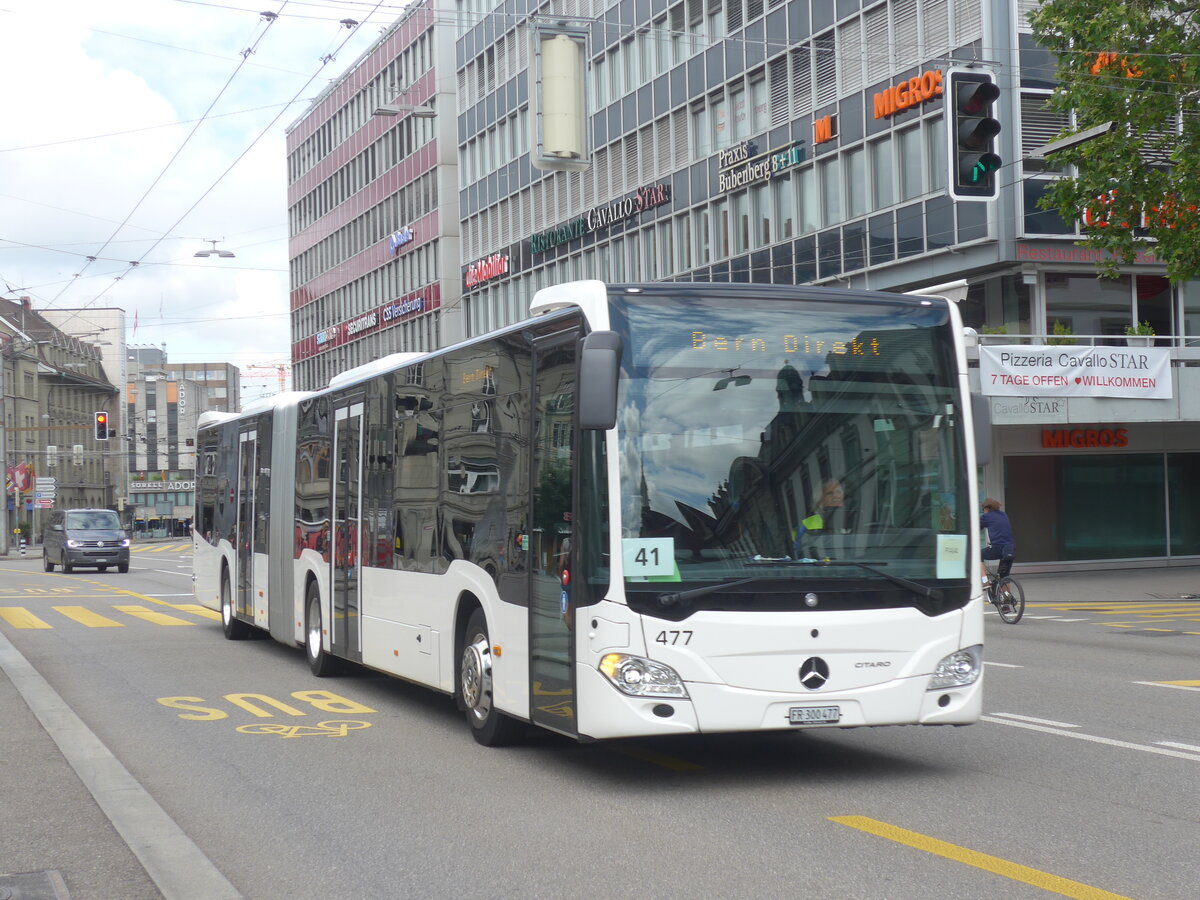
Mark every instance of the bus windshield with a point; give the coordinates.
(790, 438)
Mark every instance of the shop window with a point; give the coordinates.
(1062, 507)
(1191, 312)
(1152, 303)
(1091, 306)
(1183, 499)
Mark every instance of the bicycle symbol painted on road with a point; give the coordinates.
(332, 728)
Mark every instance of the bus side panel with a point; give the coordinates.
(262, 590)
(206, 570)
(408, 629)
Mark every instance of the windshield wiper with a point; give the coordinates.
(666, 601)
(924, 590)
(930, 593)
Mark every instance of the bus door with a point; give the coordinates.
(551, 617)
(243, 583)
(346, 560)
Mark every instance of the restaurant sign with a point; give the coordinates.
(644, 198)
(1057, 371)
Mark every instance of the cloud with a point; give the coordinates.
(93, 162)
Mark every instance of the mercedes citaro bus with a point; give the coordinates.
(645, 510)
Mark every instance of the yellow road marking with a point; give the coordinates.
(1003, 867)
(1182, 683)
(19, 617)
(85, 616)
(659, 759)
(198, 610)
(149, 615)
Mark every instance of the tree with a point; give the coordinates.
(1133, 63)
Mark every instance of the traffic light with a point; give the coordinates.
(102, 426)
(971, 135)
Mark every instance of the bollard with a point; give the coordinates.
(22, 545)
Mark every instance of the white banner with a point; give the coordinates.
(1067, 371)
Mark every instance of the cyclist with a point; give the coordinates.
(1001, 543)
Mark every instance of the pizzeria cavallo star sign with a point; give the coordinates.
(1116, 372)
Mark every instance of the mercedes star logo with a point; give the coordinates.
(814, 673)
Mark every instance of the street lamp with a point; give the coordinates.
(224, 254)
(394, 109)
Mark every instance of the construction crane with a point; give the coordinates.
(282, 371)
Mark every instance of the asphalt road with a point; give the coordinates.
(1080, 781)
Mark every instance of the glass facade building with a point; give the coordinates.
(796, 141)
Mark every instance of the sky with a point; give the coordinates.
(133, 133)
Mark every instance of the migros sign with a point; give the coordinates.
(908, 93)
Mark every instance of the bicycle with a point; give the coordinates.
(1005, 593)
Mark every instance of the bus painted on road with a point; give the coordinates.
(645, 510)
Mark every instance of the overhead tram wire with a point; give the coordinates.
(324, 60)
(245, 56)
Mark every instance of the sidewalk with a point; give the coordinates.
(1162, 583)
(55, 840)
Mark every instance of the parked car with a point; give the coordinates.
(84, 537)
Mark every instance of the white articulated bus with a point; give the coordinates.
(648, 509)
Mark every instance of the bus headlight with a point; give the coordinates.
(641, 677)
(960, 668)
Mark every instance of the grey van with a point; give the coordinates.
(84, 537)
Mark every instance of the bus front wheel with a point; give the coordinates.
(489, 726)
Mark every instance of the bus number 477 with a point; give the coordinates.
(674, 637)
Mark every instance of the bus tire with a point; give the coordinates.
(323, 665)
(234, 628)
(489, 726)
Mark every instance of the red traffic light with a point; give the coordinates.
(101, 426)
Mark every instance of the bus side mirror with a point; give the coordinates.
(599, 363)
(981, 416)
